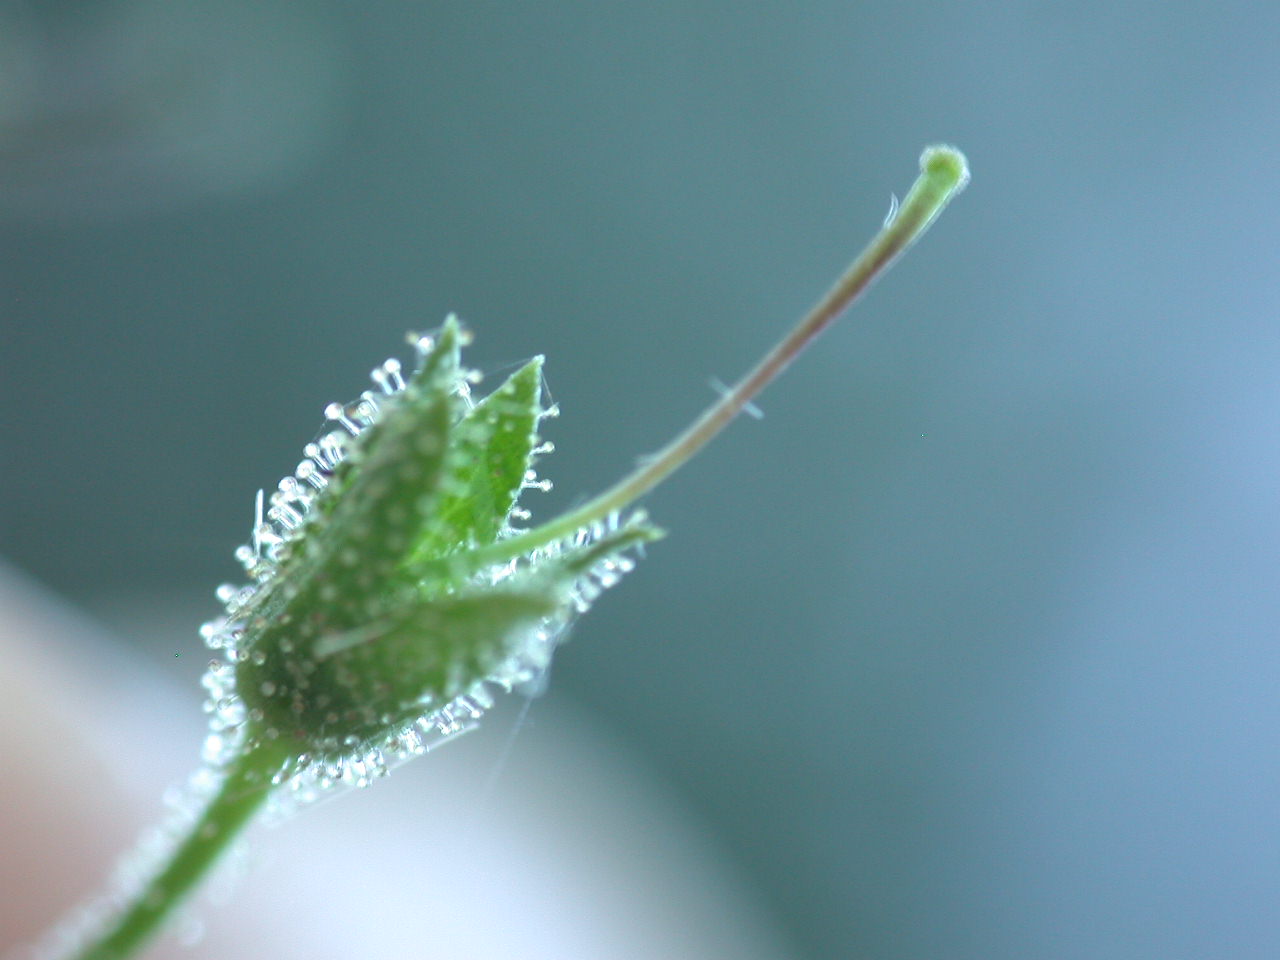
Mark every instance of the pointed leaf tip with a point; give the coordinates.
(492, 454)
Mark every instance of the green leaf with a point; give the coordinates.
(357, 685)
(576, 562)
(492, 451)
(576, 574)
(443, 360)
(382, 494)
(342, 573)
(396, 479)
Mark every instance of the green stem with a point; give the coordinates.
(943, 174)
(246, 786)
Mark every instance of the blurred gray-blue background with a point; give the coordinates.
(969, 648)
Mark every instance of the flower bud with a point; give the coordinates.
(368, 619)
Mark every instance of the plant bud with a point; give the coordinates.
(368, 623)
